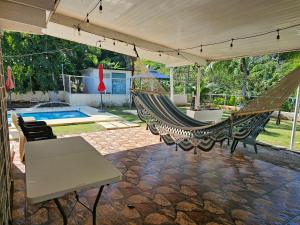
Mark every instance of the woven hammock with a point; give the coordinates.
(174, 127)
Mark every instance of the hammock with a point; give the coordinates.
(174, 127)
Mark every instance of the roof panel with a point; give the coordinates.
(180, 24)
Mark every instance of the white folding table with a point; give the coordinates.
(56, 167)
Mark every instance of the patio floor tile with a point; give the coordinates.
(176, 187)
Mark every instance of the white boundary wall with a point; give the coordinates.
(180, 99)
(37, 96)
(95, 99)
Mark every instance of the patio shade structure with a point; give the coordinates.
(183, 34)
(9, 84)
(177, 32)
(151, 74)
(101, 86)
(152, 77)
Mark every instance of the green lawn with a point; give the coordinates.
(279, 135)
(76, 128)
(119, 111)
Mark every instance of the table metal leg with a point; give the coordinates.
(96, 203)
(62, 211)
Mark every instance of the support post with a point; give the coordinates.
(296, 111)
(70, 88)
(63, 76)
(172, 84)
(197, 100)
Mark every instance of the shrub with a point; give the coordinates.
(287, 106)
(218, 101)
(232, 101)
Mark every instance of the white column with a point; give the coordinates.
(197, 100)
(63, 76)
(172, 84)
(296, 111)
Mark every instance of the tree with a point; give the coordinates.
(42, 71)
(244, 69)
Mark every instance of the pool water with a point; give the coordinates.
(55, 115)
(51, 115)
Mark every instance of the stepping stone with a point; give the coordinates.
(119, 124)
(131, 124)
(107, 125)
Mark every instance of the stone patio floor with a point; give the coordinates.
(169, 187)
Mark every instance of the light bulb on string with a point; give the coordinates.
(30, 58)
(278, 35)
(87, 19)
(78, 29)
(178, 52)
(98, 45)
(100, 6)
(46, 56)
(231, 44)
(201, 50)
(114, 43)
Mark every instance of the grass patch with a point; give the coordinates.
(76, 128)
(119, 111)
(279, 135)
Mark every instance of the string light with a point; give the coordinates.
(40, 53)
(98, 44)
(87, 19)
(78, 29)
(99, 3)
(100, 6)
(46, 56)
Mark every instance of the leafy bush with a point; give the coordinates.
(287, 106)
(218, 101)
(241, 101)
(232, 101)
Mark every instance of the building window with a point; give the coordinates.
(118, 83)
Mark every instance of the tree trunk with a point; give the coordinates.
(244, 69)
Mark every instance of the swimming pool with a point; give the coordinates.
(52, 115)
(55, 115)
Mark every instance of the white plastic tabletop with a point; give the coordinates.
(58, 166)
